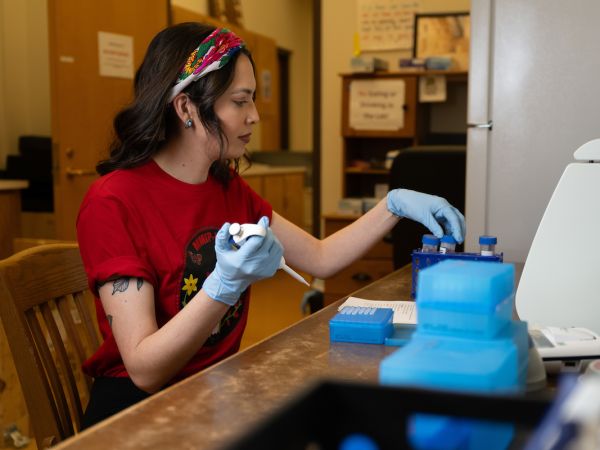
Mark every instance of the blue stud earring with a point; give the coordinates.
(188, 123)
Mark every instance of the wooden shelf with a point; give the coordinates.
(356, 171)
(451, 74)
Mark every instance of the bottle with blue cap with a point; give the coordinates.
(487, 245)
(430, 243)
(447, 244)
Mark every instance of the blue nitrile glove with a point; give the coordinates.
(432, 211)
(257, 258)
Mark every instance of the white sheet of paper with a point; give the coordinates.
(377, 104)
(405, 311)
(115, 54)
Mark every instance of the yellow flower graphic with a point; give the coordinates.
(190, 284)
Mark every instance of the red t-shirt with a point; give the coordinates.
(144, 223)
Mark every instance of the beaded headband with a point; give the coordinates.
(213, 53)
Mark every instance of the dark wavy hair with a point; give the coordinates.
(143, 127)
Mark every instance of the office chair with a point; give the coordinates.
(50, 330)
(438, 170)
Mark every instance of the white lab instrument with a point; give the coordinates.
(240, 232)
(559, 285)
(566, 343)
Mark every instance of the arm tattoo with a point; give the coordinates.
(120, 285)
(109, 318)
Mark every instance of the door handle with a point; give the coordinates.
(487, 125)
(78, 172)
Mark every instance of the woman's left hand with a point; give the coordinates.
(432, 211)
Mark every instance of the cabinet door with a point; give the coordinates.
(409, 106)
(286, 195)
(358, 275)
(256, 183)
(267, 92)
(293, 204)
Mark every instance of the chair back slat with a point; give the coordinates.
(88, 321)
(62, 365)
(65, 307)
(44, 414)
(43, 294)
(51, 374)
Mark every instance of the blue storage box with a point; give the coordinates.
(466, 297)
(422, 260)
(362, 325)
(456, 363)
(497, 365)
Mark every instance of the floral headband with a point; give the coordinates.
(213, 53)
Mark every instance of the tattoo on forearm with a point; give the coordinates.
(109, 318)
(140, 281)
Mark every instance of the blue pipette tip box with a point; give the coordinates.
(362, 325)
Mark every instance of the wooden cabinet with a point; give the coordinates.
(372, 266)
(282, 188)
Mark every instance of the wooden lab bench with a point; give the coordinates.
(216, 405)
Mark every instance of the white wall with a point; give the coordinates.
(24, 73)
(289, 22)
(338, 27)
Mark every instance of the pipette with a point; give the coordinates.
(239, 233)
(291, 272)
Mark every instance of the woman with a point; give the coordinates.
(171, 292)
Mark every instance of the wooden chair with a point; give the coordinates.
(50, 330)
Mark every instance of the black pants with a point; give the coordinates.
(109, 396)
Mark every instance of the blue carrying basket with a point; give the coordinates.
(422, 260)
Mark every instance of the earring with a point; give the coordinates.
(188, 123)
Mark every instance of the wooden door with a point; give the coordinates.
(83, 103)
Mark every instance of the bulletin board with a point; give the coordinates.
(386, 24)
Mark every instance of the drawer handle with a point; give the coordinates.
(361, 276)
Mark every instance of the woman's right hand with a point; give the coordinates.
(259, 257)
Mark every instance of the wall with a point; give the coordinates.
(290, 24)
(4, 139)
(338, 27)
(24, 73)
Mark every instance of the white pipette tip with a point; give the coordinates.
(291, 272)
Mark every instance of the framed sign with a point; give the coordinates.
(377, 104)
(443, 35)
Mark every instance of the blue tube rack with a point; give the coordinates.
(421, 260)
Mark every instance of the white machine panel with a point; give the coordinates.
(560, 284)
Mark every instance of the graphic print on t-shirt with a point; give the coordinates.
(200, 261)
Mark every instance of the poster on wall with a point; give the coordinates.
(447, 35)
(386, 24)
(377, 104)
